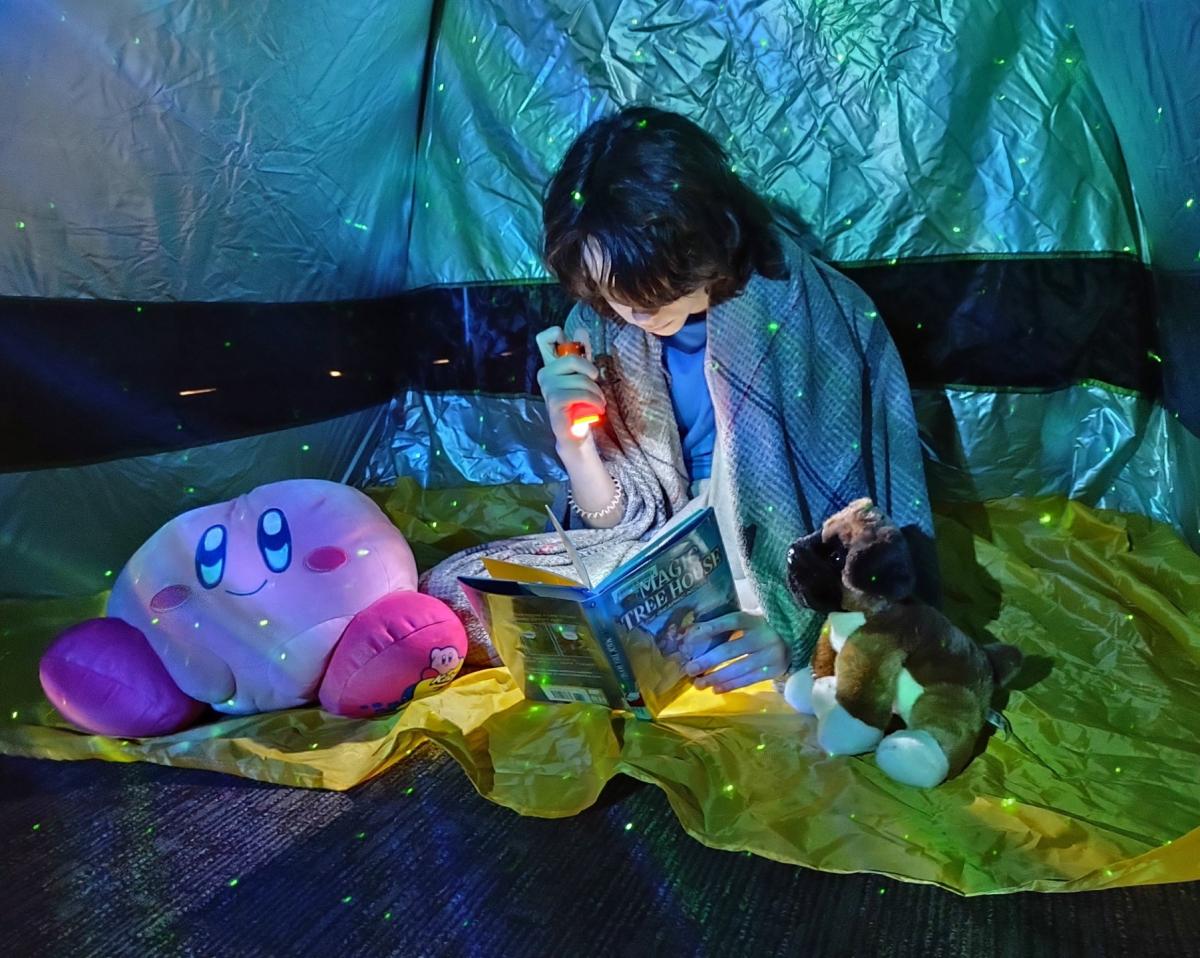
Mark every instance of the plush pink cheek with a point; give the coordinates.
(325, 559)
(172, 597)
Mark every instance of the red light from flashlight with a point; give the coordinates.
(582, 415)
(580, 426)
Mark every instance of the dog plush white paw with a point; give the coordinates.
(913, 756)
(838, 731)
(797, 692)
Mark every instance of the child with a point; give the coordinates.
(734, 371)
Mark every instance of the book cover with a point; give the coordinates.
(622, 642)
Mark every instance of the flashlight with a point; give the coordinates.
(582, 414)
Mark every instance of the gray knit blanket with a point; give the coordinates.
(812, 410)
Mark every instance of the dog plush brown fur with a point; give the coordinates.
(883, 653)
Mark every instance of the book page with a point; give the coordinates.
(580, 568)
(514, 572)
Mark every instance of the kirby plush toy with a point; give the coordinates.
(297, 591)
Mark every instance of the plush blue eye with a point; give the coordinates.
(210, 557)
(274, 540)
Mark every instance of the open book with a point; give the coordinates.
(621, 643)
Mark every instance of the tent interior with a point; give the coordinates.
(247, 243)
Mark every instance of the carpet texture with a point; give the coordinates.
(106, 859)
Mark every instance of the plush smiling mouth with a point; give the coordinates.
(259, 589)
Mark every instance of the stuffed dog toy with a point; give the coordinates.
(883, 653)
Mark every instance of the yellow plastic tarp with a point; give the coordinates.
(1097, 786)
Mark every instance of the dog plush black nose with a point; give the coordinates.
(814, 574)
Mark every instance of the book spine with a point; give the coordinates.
(605, 630)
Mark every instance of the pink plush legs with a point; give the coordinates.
(104, 677)
(387, 649)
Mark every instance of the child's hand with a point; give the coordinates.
(759, 652)
(566, 381)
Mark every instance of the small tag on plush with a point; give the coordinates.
(998, 719)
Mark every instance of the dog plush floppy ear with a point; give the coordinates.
(882, 567)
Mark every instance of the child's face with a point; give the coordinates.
(665, 320)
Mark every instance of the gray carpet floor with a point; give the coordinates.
(106, 859)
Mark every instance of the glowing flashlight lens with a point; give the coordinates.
(579, 428)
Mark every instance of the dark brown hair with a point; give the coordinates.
(657, 195)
